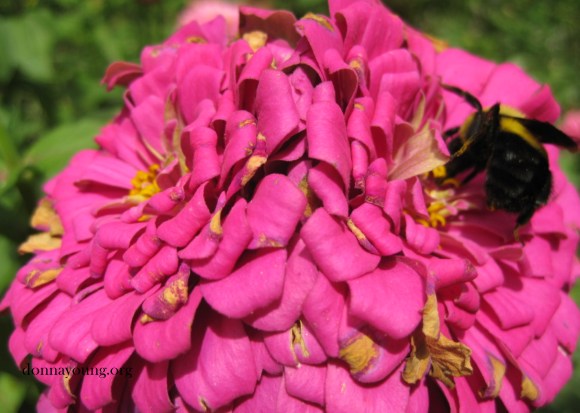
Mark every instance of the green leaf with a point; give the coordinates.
(12, 392)
(8, 264)
(51, 153)
(29, 45)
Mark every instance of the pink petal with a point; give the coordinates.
(393, 285)
(38, 329)
(150, 390)
(371, 220)
(323, 309)
(205, 164)
(305, 350)
(240, 135)
(180, 230)
(144, 248)
(219, 368)
(236, 237)
(198, 83)
(275, 109)
(327, 185)
(343, 394)
(326, 132)
(121, 73)
(335, 249)
(159, 267)
(98, 391)
(375, 28)
(156, 341)
(256, 283)
(264, 398)
(422, 239)
(289, 404)
(560, 373)
(299, 279)
(117, 279)
(566, 323)
(114, 324)
(274, 211)
(306, 382)
(71, 334)
(17, 347)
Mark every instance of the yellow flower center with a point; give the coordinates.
(145, 184)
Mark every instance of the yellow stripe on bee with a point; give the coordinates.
(514, 126)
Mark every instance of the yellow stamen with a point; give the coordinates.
(440, 172)
(145, 184)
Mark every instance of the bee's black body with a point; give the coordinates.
(509, 148)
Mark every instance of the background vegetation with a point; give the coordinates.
(53, 54)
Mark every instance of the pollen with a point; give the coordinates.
(359, 353)
(145, 184)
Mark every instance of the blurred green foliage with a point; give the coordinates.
(53, 54)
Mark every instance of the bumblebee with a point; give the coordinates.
(509, 147)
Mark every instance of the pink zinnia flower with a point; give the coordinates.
(258, 232)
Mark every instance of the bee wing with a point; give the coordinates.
(547, 133)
